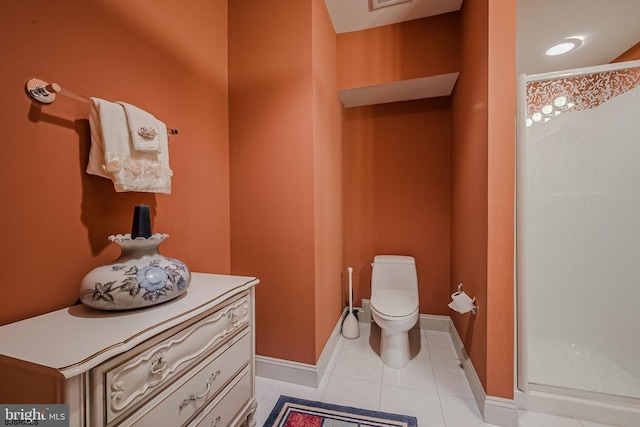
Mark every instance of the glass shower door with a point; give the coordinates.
(578, 230)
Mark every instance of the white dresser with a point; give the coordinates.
(187, 362)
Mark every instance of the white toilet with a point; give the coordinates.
(394, 305)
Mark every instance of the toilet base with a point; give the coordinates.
(394, 349)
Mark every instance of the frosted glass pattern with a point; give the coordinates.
(579, 232)
(547, 99)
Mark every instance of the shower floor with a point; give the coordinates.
(562, 364)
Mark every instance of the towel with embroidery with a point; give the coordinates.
(113, 156)
(144, 128)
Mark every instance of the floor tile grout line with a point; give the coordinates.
(444, 420)
(433, 371)
(272, 382)
(328, 377)
(380, 394)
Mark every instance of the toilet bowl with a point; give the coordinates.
(394, 305)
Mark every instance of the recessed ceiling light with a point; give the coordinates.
(564, 46)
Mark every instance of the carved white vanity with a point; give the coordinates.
(189, 361)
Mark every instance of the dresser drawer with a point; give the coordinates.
(128, 383)
(181, 401)
(226, 408)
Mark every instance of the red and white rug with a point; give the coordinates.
(294, 412)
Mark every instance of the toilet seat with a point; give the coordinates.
(393, 303)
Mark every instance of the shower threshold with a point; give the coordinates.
(580, 371)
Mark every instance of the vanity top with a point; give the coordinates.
(78, 338)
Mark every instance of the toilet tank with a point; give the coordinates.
(394, 272)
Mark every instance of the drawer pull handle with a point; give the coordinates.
(215, 422)
(158, 364)
(196, 396)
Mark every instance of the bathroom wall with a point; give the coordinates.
(631, 54)
(286, 171)
(169, 58)
(500, 199)
(469, 181)
(397, 193)
(328, 178)
(482, 189)
(407, 50)
(397, 155)
(477, 184)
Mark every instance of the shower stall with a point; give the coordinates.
(578, 243)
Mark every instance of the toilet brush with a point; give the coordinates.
(350, 327)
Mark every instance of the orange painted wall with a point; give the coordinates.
(285, 164)
(500, 198)
(169, 58)
(328, 177)
(631, 54)
(397, 193)
(469, 181)
(407, 50)
(380, 139)
(482, 189)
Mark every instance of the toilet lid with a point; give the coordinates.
(392, 302)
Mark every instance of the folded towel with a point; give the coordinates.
(144, 128)
(113, 156)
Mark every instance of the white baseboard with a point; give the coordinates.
(500, 411)
(432, 322)
(366, 311)
(613, 413)
(329, 349)
(287, 370)
(296, 372)
(494, 410)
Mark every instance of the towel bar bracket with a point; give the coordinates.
(42, 91)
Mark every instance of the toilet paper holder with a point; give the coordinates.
(472, 301)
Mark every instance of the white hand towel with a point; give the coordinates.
(112, 155)
(109, 132)
(144, 128)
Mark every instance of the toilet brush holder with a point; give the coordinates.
(350, 327)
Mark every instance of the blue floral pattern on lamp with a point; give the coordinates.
(140, 277)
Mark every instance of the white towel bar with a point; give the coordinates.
(45, 93)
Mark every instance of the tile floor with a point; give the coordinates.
(433, 387)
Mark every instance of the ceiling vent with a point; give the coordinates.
(377, 4)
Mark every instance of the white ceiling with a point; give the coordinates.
(607, 27)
